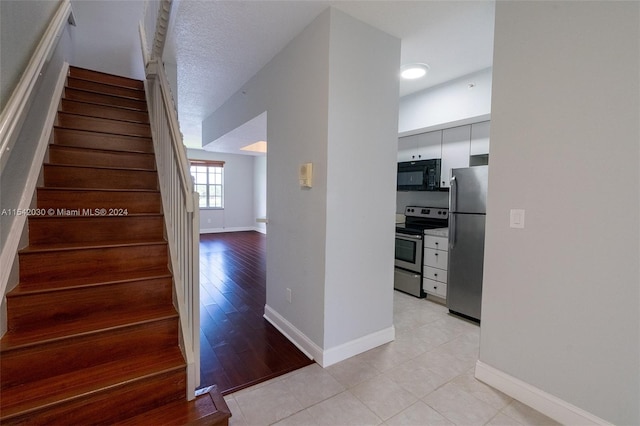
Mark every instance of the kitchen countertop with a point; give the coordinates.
(438, 232)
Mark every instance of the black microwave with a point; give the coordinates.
(421, 175)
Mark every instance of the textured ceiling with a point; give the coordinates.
(219, 45)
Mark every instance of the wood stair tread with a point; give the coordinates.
(95, 109)
(68, 217)
(79, 166)
(19, 291)
(19, 400)
(98, 150)
(119, 107)
(103, 133)
(98, 323)
(209, 408)
(105, 190)
(112, 126)
(80, 94)
(106, 88)
(101, 279)
(79, 78)
(84, 246)
(88, 74)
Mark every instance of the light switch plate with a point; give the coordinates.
(516, 218)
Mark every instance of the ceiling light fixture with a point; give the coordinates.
(414, 71)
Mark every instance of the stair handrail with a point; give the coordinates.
(179, 200)
(17, 106)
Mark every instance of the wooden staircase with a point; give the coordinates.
(92, 331)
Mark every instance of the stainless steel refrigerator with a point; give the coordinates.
(467, 211)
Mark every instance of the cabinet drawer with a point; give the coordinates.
(435, 274)
(436, 258)
(438, 243)
(434, 287)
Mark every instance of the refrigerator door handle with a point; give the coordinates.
(452, 210)
(454, 194)
(452, 231)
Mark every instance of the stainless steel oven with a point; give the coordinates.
(408, 270)
(409, 246)
(409, 252)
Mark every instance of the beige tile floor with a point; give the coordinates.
(424, 377)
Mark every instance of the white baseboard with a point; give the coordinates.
(544, 402)
(358, 346)
(298, 338)
(333, 355)
(231, 229)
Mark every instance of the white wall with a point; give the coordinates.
(448, 102)
(106, 37)
(15, 175)
(260, 191)
(238, 212)
(296, 89)
(22, 25)
(561, 302)
(363, 111)
(293, 89)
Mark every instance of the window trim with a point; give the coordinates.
(209, 163)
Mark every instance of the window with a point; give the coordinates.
(208, 178)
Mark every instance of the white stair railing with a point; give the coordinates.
(179, 200)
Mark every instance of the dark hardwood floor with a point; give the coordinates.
(239, 348)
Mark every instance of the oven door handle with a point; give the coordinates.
(409, 237)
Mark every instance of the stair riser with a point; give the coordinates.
(63, 356)
(134, 202)
(99, 98)
(87, 157)
(95, 229)
(85, 139)
(111, 405)
(86, 177)
(81, 122)
(94, 86)
(105, 78)
(77, 304)
(85, 108)
(39, 268)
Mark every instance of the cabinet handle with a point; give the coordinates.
(435, 275)
(435, 287)
(436, 254)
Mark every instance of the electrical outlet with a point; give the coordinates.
(289, 295)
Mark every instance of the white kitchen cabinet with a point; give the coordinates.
(435, 270)
(438, 243)
(436, 258)
(423, 146)
(434, 288)
(407, 148)
(456, 144)
(430, 145)
(435, 274)
(480, 138)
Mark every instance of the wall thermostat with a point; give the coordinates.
(306, 175)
